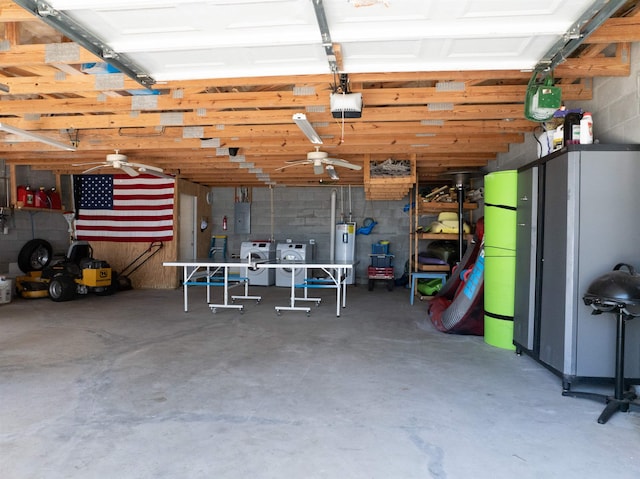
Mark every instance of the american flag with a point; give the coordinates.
(124, 208)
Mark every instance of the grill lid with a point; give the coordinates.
(616, 289)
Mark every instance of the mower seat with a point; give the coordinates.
(78, 251)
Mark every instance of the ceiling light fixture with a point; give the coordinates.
(300, 119)
(34, 136)
(332, 172)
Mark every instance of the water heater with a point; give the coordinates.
(346, 247)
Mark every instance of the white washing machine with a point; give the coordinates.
(291, 253)
(259, 251)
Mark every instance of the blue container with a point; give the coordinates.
(381, 260)
(378, 248)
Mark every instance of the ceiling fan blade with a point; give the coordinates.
(90, 163)
(146, 167)
(342, 163)
(298, 162)
(293, 163)
(102, 165)
(129, 171)
(153, 171)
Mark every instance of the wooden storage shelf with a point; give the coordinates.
(438, 206)
(442, 236)
(432, 267)
(388, 187)
(428, 207)
(32, 208)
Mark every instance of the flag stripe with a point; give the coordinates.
(128, 237)
(158, 225)
(124, 208)
(115, 218)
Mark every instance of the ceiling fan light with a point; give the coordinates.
(333, 174)
(317, 168)
(300, 119)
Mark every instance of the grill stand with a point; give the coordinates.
(621, 400)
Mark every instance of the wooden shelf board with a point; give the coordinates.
(443, 236)
(433, 267)
(437, 206)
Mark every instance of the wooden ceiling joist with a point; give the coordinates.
(189, 125)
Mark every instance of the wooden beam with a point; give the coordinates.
(617, 30)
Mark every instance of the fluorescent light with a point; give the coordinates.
(301, 120)
(34, 136)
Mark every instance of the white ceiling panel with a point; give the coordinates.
(225, 63)
(175, 40)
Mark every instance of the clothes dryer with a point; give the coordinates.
(291, 253)
(259, 251)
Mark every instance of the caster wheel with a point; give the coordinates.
(258, 301)
(214, 310)
(308, 315)
(241, 311)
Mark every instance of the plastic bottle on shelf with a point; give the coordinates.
(572, 128)
(586, 129)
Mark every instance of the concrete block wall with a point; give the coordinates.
(299, 214)
(616, 105)
(304, 213)
(616, 115)
(23, 226)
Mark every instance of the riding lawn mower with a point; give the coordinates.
(77, 273)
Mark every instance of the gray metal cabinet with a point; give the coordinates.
(587, 222)
(526, 241)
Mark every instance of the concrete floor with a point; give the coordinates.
(130, 386)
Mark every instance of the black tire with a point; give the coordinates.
(62, 288)
(35, 255)
(371, 284)
(390, 284)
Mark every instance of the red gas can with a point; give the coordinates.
(22, 195)
(54, 199)
(41, 199)
(29, 198)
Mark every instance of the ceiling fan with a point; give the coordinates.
(120, 162)
(321, 161)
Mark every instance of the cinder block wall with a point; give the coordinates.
(616, 115)
(26, 225)
(304, 213)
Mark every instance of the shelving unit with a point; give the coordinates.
(422, 208)
(388, 187)
(37, 210)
